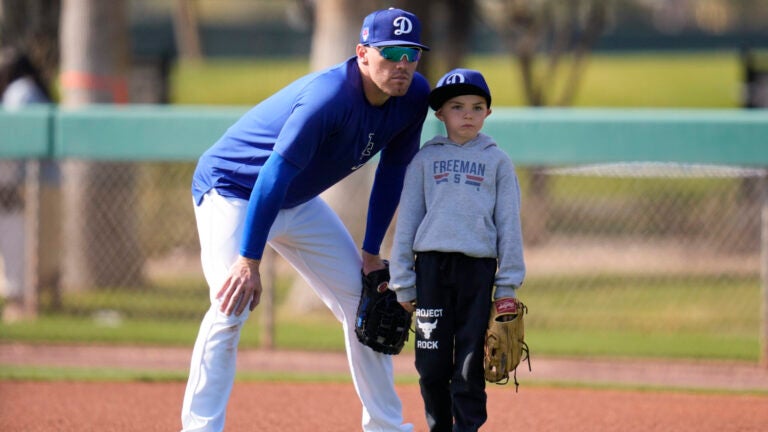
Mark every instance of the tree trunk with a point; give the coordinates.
(100, 242)
(430, 62)
(336, 33)
(461, 15)
(185, 29)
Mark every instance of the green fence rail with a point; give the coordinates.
(542, 136)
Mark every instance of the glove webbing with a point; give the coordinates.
(527, 358)
(514, 372)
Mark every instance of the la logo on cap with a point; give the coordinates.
(391, 27)
(456, 78)
(403, 24)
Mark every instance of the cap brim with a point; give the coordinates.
(439, 95)
(399, 43)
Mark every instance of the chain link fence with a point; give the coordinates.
(640, 247)
(645, 248)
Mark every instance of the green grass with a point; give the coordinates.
(640, 316)
(681, 317)
(669, 80)
(140, 303)
(627, 344)
(318, 333)
(80, 374)
(586, 187)
(36, 373)
(232, 82)
(86, 329)
(720, 307)
(677, 79)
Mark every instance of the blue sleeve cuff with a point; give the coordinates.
(385, 195)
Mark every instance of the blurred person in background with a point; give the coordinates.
(21, 84)
(20, 81)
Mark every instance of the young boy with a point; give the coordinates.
(457, 235)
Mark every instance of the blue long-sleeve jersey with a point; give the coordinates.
(317, 130)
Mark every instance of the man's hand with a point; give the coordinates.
(243, 282)
(372, 263)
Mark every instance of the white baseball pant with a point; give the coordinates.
(314, 240)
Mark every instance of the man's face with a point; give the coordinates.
(391, 68)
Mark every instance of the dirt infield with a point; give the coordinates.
(327, 407)
(300, 407)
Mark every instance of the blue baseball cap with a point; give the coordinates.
(391, 27)
(459, 82)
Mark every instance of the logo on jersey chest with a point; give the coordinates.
(366, 153)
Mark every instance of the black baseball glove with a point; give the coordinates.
(382, 323)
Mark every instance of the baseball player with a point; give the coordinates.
(259, 183)
(457, 235)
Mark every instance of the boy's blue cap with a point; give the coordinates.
(391, 27)
(456, 83)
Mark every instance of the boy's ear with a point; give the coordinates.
(439, 114)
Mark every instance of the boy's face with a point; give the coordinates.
(463, 117)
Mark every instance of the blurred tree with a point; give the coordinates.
(555, 30)
(425, 11)
(447, 28)
(459, 27)
(336, 30)
(186, 30)
(101, 247)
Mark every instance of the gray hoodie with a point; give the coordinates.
(459, 198)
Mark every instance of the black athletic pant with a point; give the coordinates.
(452, 312)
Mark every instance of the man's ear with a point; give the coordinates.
(362, 53)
